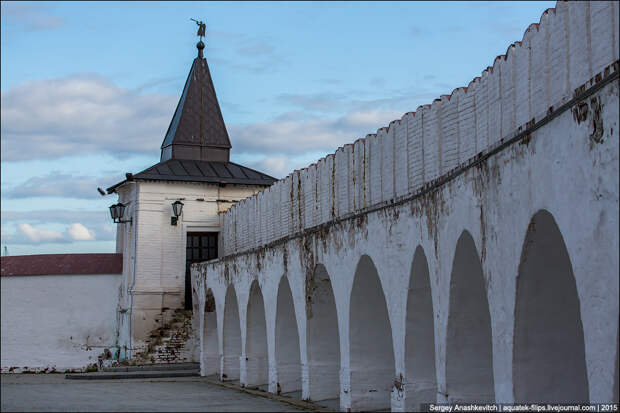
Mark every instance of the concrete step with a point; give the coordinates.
(154, 367)
(167, 342)
(132, 375)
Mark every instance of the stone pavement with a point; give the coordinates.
(52, 392)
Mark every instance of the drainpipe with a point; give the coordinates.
(133, 273)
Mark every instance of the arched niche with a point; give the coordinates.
(549, 353)
(323, 338)
(256, 359)
(469, 349)
(420, 375)
(232, 336)
(210, 351)
(370, 337)
(287, 342)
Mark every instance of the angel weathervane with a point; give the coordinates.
(201, 32)
(201, 28)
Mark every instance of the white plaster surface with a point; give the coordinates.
(567, 166)
(154, 251)
(57, 321)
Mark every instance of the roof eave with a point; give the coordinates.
(112, 189)
(233, 181)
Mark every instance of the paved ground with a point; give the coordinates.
(52, 392)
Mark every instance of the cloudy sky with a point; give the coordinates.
(88, 90)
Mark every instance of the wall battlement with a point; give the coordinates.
(571, 44)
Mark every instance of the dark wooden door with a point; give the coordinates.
(201, 246)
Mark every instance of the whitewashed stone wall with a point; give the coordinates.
(57, 322)
(558, 170)
(462, 183)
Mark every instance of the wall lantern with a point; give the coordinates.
(117, 211)
(177, 208)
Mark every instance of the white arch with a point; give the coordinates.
(420, 375)
(549, 362)
(209, 343)
(323, 338)
(231, 337)
(256, 359)
(469, 350)
(287, 350)
(370, 338)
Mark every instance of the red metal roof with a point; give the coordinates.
(61, 264)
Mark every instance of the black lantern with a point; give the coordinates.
(177, 209)
(116, 212)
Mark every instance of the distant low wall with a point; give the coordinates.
(59, 311)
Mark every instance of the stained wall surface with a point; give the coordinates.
(154, 250)
(462, 179)
(58, 322)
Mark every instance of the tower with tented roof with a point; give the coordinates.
(194, 170)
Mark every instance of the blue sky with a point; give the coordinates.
(89, 88)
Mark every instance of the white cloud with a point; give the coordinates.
(38, 235)
(30, 16)
(296, 136)
(45, 227)
(293, 142)
(79, 232)
(89, 114)
(81, 114)
(53, 216)
(58, 184)
(277, 166)
(252, 53)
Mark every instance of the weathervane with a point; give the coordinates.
(201, 32)
(201, 28)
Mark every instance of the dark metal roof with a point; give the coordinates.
(197, 120)
(196, 147)
(189, 170)
(61, 264)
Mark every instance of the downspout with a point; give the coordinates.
(133, 273)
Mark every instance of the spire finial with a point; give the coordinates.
(200, 46)
(201, 32)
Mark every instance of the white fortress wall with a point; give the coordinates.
(476, 197)
(554, 58)
(497, 220)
